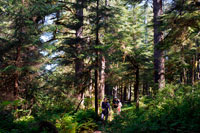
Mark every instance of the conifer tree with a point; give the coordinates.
(20, 48)
(159, 60)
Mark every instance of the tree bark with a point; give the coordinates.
(91, 85)
(121, 93)
(18, 55)
(96, 87)
(147, 89)
(125, 90)
(97, 59)
(102, 78)
(130, 92)
(159, 60)
(115, 89)
(193, 69)
(146, 22)
(198, 68)
(79, 63)
(136, 87)
(102, 69)
(108, 89)
(144, 88)
(17, 62)
(183, 74)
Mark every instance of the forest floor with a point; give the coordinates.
(112, 117)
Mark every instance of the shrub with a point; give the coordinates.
(6, 120)
(86, 120)
(78, 122)
(66, 124)
(174, 109)
(26, 124)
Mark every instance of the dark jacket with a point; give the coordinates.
(115, 102)
(105, 106)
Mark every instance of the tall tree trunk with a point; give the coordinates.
(197, 61)
(146, 22)
(78, 76)
(17, 63)
(115, 89)
(79, 63)
(195, 67)
(121, 93)
(144, 88)
(198, 68)
(90, 86)
(102, 68)
(184, 74)
(18, 55)
(102, 78)
(159, 60)
(130, 93)
(128, 90)
(96, 86)
(108, 89)
(147, 89)
(125, 90)
(193, 70)
(97, 59)
(136, 87)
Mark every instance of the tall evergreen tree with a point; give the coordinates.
(79, 63)
(21, 46)
(97, 58)
(159, 60)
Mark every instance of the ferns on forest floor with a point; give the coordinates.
(174, 109)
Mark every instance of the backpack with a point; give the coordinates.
(115, 102)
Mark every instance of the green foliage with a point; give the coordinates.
(66, 124)
(86, 120)
(89, 126)
(51, 104)
(24, 124)
(6, 120)
(174, 109)
(88, 102)
(82, 115)
(83, 120)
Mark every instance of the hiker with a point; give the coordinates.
(105, 105)
(115, 104)
(119, 107)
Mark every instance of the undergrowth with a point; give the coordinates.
(173, 109)
(176, 108)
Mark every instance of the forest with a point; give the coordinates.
(60, 60)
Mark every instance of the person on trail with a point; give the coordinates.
(115, 104)
(105, 106)
(119, 107)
